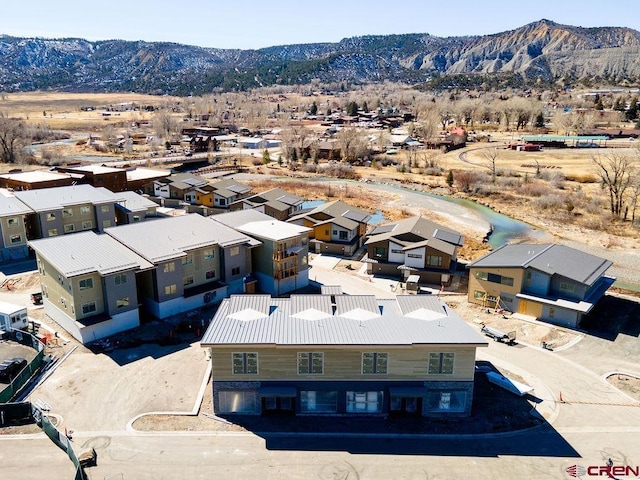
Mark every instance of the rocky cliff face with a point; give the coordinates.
(542, 49)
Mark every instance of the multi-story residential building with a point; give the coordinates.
(13, 234)
(276, 203)
(133, 208)
(179, 186)
(280, 263)
(89, 284)
(63, 210)
(551, 282)
(337, 227)
(413, 246)
(222, 193)
(196, 261)
(340, 354)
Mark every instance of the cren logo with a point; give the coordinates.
(576, 471)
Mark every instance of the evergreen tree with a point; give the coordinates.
(266, 158)
(632, 113)
(450, 178)
(314, 108)
(352, 109)
(365, 107)
(539, 123)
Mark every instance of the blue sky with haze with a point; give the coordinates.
(255, 24)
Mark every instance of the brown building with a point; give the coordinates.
(114, 179)
(35, 180)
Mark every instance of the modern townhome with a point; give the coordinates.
(196, 261)
(132, 208)
(413, 246)
(276, 203)
(179, 186)
(13, 233)
(337, 227)
(63, 210)
(221, 193)
(89, 284)
(328, 354)
(551, 282)
(280, 263)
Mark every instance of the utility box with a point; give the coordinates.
(13, 317)
(413, 283)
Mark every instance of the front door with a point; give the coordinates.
(522, 307)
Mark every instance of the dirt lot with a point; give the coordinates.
(628, 384)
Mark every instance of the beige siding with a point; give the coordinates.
(344, 364)
(491, 288)
(10, 230)
(199, 266)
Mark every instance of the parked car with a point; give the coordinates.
(9, 369)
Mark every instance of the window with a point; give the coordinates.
(434, 260)
(188, 280)
(395, 250)
(364, 402)
(414, 255)
(233, 251)
(122, 302)
(440, 363)
(343, 235)
(326, 232)
(188, 260)
(69, 228)
(51, 217)
(87, 225)
(374, 362)
(335, 232)
(304, 241)
(494, 278)
(447, 401)
(88, 308)
(245, 363)
(379, 252)
(527, 281)
(223, 201)
(15, 238)
(106, 223)
(235, 271)
(85, 210)
(120, 279)
(104, 209)
(136, 218)
(310, 362)
(169, 267)
(12, 222)
(318, 401)
(237, 401)
(567, 287)
(52, 232)
(85, 283)
(478, 294)
(208, 254)
(67, 212)
(210, 274)
(170, 289)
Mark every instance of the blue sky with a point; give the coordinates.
(255, 24)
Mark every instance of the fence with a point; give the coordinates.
(23, 377)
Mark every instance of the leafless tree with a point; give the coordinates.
(491, 156)
(165, 125)
(353, 144)
(12, 139)
(616, 171)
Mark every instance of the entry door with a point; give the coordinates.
(522, 306)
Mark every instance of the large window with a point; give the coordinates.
(434, 260)
(318, 401)
(235, 271)
(310, 362)
(208, 254)
(85, 283)
(343, 235)
(446, 401)
(233, 251)
(379, 252)
(374, 362)
(364, 402)
(245, 363)
(441, 363)
(120, 279)
(169, 267)
(237, 401)
(188, 260)
(494, 278)
(170, 289)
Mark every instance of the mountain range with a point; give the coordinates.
(540, 51)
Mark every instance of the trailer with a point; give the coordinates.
(498, 335)
(12, 317)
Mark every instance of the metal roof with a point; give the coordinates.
(46, 199)
(331, 289)
(260, 225)
(551, 259)
(173, 237)
(386, 324)
(12, 206)
(35, 176)
(87, 252)
(133, 202)
(429, 233)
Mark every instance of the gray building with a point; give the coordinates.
(13, 233)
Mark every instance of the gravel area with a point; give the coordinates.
(627, 384)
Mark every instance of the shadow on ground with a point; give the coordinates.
(612, 316)
(500, 424)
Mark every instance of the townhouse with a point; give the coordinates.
(551, 282)
(276, 203)
(340, 354)
(337, 227)
(413, 246)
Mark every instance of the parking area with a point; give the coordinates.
(9, 349)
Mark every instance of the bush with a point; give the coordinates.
(550, 202)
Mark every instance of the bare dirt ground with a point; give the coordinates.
(627, 384)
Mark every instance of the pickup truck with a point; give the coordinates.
(498, 335)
